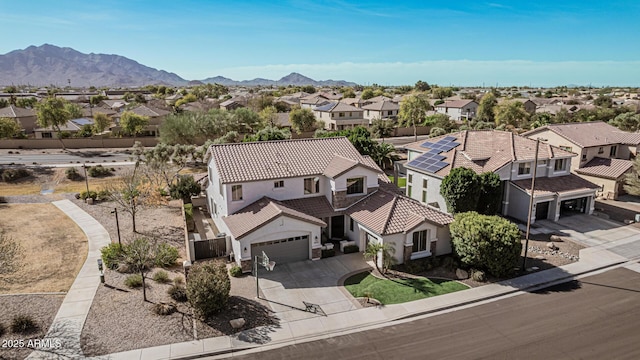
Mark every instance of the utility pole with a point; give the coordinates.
(86, 179)
(533, 184)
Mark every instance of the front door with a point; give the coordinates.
(542, 210)
(337, 227)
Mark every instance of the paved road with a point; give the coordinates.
(73, 156)
(594, 318)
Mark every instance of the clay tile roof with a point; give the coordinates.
(12, 111)
(317, 206)
(589, 134)
(489, 150)
(262, 212)
(382, 105)
(264, 160)
(388, 213)
(455, 103)
(337, 106)
(149, 111)
(339, 165)
(606, 168)
(556, 185)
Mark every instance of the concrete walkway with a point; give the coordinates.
(341, 323)
(69, 321)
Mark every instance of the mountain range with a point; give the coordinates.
(52, 65)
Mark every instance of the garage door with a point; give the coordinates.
(284, 250)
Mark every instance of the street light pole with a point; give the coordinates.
(533, 184)
(86, 179)
(115, 211)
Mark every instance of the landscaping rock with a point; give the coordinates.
(540, 257)
(552, 246)
(556, 238)
(237, 323)
(462, 274)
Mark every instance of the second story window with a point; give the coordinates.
(410, 178)
(424, 183)
(584, 157)
(524, 168)
(613, 151)
(311, 185)
(559, 165)
(341, 114)
(278, 184)
(355, 186)
(236, 192)
(601, 150)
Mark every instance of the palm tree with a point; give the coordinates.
(383, 154)
(383, 250)
(382, 128)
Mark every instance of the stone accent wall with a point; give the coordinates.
(316, 253)
(246, 266)
(408, 250)
(340, 199)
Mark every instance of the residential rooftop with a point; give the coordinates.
(587, 134)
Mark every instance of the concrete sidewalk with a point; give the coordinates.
(320, 327)
(69, 321)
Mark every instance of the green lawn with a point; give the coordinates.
(399, 291)
(402, 181)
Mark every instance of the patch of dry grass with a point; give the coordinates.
(53, 179)
(54, 247)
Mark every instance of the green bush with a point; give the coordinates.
(161, 276)
(178, 293)
(351, 249)
(164, 309)
(111, 255)
(23, 324)
(98, 171)
(178, 280)
(235, 271)
(73, 174)
(11, 175)
(88, 194)
(208, 288)
(461, 190)
(328, 253)
(188, 212)
(486, 242)
(103, 195)
(133, 281)
(166, 255)
(184, 188)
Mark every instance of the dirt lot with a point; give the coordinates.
(54, 247)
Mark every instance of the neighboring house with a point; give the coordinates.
(313, 100)
(172, 99)
(71, 127)
(233, 103)
(115, 105)
(75, 96)
(357, 102)
(604, 151)
(340, 116)
(375, 99)
(289, 198)
(528, 105)
(156, 117)
(26, 118)
(387, 110)
(556, 108)
(91, 111)
(458, 110)
(557, 191)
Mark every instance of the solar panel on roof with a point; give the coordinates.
(448, 138)
(82, 121)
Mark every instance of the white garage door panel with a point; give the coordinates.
(284, 250)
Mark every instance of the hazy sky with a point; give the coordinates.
(538, 43)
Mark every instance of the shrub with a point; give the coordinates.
(178, 280)
(178, 293)
(328, 253)
(486, 242)
(88, 194)
(11, 175)
(98, 171)
(23, 324)
(133, 281)
(164, 309)
(161, 276)
(102, 195)
(184, 188)
(461, 190)
(73, 174)
(166, 255)
(478, 275)
(351, 249)
(111, 255)
(208, 288)
(235, 271)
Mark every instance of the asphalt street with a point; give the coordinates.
(597, 317)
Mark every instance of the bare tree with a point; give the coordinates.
(140, 256)
(10, 251)
(129, 192)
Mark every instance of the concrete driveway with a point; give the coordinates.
(592, 231)
(314, 282)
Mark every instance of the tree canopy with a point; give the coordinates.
(486, 108)
(511, 113)
(302, 120)
(132, 123)
(8, 128)
(461, 190)
(413, 111)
